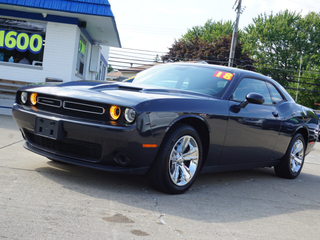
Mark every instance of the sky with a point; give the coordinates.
(154, 25)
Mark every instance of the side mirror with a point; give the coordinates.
(252, 97)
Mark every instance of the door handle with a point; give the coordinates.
(276, 114)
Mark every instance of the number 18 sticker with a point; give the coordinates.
(224, 75)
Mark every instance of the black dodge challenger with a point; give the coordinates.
(171, 123)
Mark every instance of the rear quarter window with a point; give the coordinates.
(276, 97)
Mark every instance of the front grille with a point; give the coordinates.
(81, 107)
(70, 148)
(73, 107)
(50, 101)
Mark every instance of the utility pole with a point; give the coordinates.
(235, 33)
(299, 78)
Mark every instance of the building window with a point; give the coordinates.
(82, 57)
(22, 42)
(101, 76)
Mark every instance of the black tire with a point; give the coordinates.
(292, 162)
(176, 175)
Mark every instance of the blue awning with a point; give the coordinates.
(92, 7)
(97, 14)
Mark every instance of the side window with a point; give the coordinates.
(275, 95)
(248, 85)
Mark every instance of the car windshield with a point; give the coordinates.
(187, 77)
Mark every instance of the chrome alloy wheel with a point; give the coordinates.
(296, 156)
(183, 161)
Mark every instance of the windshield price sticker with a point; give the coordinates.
(224, 75)
(21, 41)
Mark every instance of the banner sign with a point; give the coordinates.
(21, 41)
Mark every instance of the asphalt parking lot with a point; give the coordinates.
(41, 199)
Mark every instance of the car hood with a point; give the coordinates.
(124, 94)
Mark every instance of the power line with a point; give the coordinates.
(130, 59)
(139, 50)
(302, 89)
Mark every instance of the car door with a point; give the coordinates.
(253, 130)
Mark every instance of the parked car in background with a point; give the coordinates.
(171, 123)
(130, 79)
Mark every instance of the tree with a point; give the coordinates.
(211, 31)
(309, 85)
(110, 68)
(277, 42)
(215, 52)
(310, 27)
(308, 90)
(157, 58)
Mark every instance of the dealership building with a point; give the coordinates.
(53, 40)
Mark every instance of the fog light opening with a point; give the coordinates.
(121, 159)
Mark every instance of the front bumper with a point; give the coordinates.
(89, 143)
(137, 170)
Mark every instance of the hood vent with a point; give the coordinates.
(132, 89)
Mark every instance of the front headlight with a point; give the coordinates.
(115, 112)
(130, 115)
(33, 98)
(24, 97)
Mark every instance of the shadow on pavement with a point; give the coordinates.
(216, 197)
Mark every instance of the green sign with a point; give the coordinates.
(82, 47)
(21, 41)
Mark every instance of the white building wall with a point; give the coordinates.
(59, 60)
(105, 50)
(60, 54)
